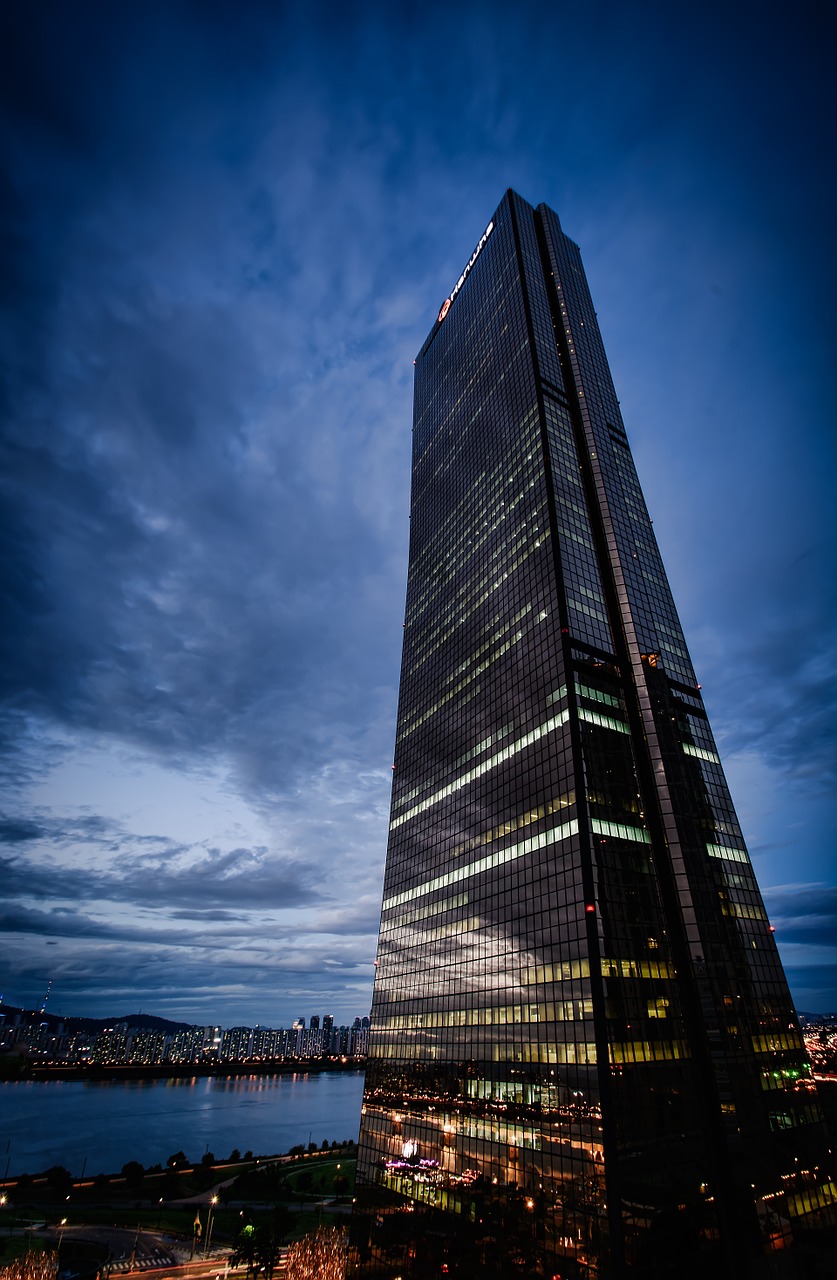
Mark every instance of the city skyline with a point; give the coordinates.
(35, 1041)
(223, 238)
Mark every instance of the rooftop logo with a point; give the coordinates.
(446, 305)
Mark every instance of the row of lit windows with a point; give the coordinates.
(743, 911)
(585, 714)
(430, 933)
(494, 1015)
(480, 500)
(463, 566)
(701, 753)
(481, 599)
(466, 516)
(555, 722)
(648, 1051)
(453, 606)
(566, 970)
(497, 859)
(730, 855)
(580, 1053)
(515, 824)
(776, 1041)
(813, 1198)
(421, 913)
(604, 722)
(410, 723)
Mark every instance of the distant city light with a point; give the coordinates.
(321, 1256)
(32, 1266)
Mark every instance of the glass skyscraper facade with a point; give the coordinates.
(584, 1058)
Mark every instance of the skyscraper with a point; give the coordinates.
(584, 1058)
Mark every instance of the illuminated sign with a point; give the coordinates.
(446, 305)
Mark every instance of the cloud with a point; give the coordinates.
(805, 914)
(17, 831)
(158, 876)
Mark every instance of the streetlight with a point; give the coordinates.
(212, 1203)
(134, 1250)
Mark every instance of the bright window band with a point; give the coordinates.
(605, 722)
(700, 753)
(731, 855)
(620, 830)
(477, 772)
(497, 859)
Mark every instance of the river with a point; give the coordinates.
(99, 1126)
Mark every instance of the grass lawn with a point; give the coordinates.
(12, 1247)
(319, 1178)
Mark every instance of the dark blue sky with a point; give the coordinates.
(225, 234)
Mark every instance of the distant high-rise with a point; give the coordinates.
(584, 1058)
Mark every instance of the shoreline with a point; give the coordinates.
(111, 1072)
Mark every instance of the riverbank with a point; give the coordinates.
(99, 1072)
(146, 1220)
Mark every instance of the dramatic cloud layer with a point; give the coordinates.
(225, 235)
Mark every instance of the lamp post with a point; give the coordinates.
(134, 1250)
(212, 1203)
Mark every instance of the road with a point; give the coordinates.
(211, 1269)
(143, 1252)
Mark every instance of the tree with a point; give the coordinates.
(169, 1187)
(235, 1156)
(59, 1180)
(133, 1173)
(208, 1159)
(244, 1248)
(269, 1237)
(178, 1161)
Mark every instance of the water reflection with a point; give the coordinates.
(108, 1123)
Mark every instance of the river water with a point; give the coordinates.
(99, 1126)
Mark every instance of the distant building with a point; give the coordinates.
(47, 1042)
(188, 1046)
(236, 1044)
(111, 1045)
(148, 1047)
